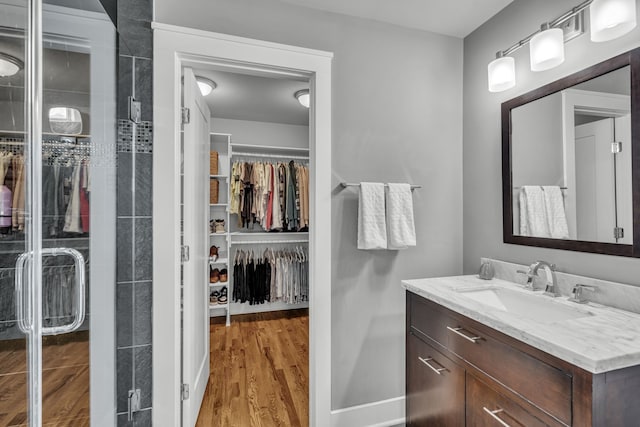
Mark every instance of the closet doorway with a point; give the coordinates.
(224, 273)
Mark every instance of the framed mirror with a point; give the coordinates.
(571, 161)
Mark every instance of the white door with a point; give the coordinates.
(195, 278)
(603, 196)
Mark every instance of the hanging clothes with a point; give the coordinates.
(273, 276)
(273, 195)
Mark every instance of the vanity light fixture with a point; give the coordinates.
(609, 19)
(206, 85)
(303, 97)
(502, 73)
(9, 65)
(546, 48)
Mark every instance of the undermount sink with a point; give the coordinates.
(534, 307)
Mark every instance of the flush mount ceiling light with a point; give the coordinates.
(546, 48)
(9, 65)
(303, 97)
(609, 19)
(502, 73)
(65, 121)
(206, 85)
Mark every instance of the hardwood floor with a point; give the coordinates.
(259, 372)
(65, 382)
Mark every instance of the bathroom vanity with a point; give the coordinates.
(491, 353)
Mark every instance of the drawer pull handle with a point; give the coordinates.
(466, 337)
(433, 368)
(494, 416)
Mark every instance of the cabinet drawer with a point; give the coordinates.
(540, 383)
(435, 387)
(429, 321)
(488, 408)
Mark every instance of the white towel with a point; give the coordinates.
(556, 215)
(533, 215)
(372, 228)
(400, 225)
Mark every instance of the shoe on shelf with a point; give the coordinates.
(214, 297)
(224, 276)
(218, 226)
(222, 298)
(213, 253)
(214, 275)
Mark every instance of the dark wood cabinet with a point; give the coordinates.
(490, 379)
(435, 387)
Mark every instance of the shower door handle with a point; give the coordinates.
(24, 310)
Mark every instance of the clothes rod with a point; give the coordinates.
(267, 242)
(275, 156)
(354, 184)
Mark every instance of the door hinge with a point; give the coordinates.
(186, 116)
(616, 147)
(133, 403)
(184, 390)
(618, 233)
(135, 110)
(184, 253)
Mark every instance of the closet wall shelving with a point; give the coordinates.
(235, 237)
(222, 144)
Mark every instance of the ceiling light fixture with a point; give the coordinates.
(303, 97)
(206, 85)
(9, 65)
(609, 19)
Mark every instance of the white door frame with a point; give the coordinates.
(173, 47)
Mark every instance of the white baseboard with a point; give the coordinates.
(385, 413)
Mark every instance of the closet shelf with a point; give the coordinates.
(274, 233)
(219, 176)
(218, 306)
(267, 148)
(219, 234)
(218, 284)
(219, 261)
(218, 205)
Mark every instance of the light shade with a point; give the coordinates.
(9, 65)
(206, 85)
(611, 19)
(65, 121)
(546, 49)
(303, 97)
(502, 74)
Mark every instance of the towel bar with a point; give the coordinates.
(354, 184)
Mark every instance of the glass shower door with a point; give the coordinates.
(57, 215)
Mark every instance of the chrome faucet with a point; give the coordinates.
(551, 288)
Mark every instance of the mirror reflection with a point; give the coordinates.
(571, 162)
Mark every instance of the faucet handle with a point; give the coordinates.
(578, 296)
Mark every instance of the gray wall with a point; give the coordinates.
(482, 143)
(262, 133)
(397, 114)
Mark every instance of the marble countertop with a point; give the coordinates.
(606, 340)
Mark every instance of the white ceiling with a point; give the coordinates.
(255, 98)
(456, 18)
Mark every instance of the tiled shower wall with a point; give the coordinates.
(134, 210)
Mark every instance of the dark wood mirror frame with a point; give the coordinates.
(631, 59)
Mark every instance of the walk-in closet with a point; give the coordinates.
(256, 258)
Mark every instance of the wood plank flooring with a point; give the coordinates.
(259, 372)
(65, 378)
